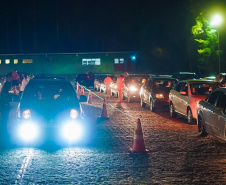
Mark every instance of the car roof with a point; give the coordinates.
(184, 73)
(198, 80)
(223, 89)
(162, 77)
(53, 77)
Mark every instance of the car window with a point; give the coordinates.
(164, 83)
(49, 92)
(178, 87)
(213, 97)
(221, 102)
(203, 88)
(185, 88)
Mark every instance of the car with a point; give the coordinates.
(49, 110)
(184, 97)
(211, 114)
(87, 80)
(132, 85)
(155, 92)
(184, 76)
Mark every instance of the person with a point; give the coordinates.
(108, 81)
(169, 84)
(5, 98)
(156, 84)
(15, 78)
(120, 85)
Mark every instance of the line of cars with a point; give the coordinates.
(201, 101)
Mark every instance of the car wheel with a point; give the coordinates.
(152, 107)
(190, 119)
(142, 103)
(201, 127)
(173, 114)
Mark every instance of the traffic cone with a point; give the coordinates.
(104, 114)
(90, 98)
(82, 90)
(138, 141)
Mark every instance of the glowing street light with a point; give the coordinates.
(216, 21)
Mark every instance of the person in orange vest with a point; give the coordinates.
(120, 85)
(108, 81)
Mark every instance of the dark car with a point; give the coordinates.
(132, 85)
(49, 110)
(211, 112)
(87, 80)
(184, 76)
(155, 92)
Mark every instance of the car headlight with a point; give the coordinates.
(132, 88)
(159, 96)
(27, 114)
(28, 131)
(72, 131)
(74, 113)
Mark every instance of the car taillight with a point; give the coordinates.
(159, 96)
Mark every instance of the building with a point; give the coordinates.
(69, 63)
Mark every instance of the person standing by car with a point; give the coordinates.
(15, 78)
(120, 85)
(107, 82)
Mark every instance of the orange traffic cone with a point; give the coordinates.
(138, 141)
(104, 113)
(82, 90)
(90, 98)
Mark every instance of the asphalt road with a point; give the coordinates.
(177, 155)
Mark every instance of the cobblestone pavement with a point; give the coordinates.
(177, 155)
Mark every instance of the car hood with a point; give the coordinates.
(47, 110)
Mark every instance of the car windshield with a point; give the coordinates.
(138, 79)
(164, 83)
(49, 91)
(203, 88)
(188, 76)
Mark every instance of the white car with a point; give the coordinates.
(212, 114)
(184, 97)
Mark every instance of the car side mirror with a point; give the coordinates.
(83, 98)
(183, 93)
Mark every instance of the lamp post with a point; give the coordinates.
(216, 21)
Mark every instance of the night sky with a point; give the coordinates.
(160, 30)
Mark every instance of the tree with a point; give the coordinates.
(207, 39)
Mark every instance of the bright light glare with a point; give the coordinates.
(28, 131)
(73, 113)
(217, 19)
(72, 131)
(27, 114)
(132, 88)
(159, 96)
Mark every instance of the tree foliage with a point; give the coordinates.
(207, 38)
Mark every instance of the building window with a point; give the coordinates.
(116, 61)
(27, 61)
(119, 60)
(95, 61)
(7, 61)
(15, 61)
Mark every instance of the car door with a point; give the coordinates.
(183, 99)
(176, 96)
(218, 115)
(146, 91)
(209, 111)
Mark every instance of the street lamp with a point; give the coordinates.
(216, 21)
